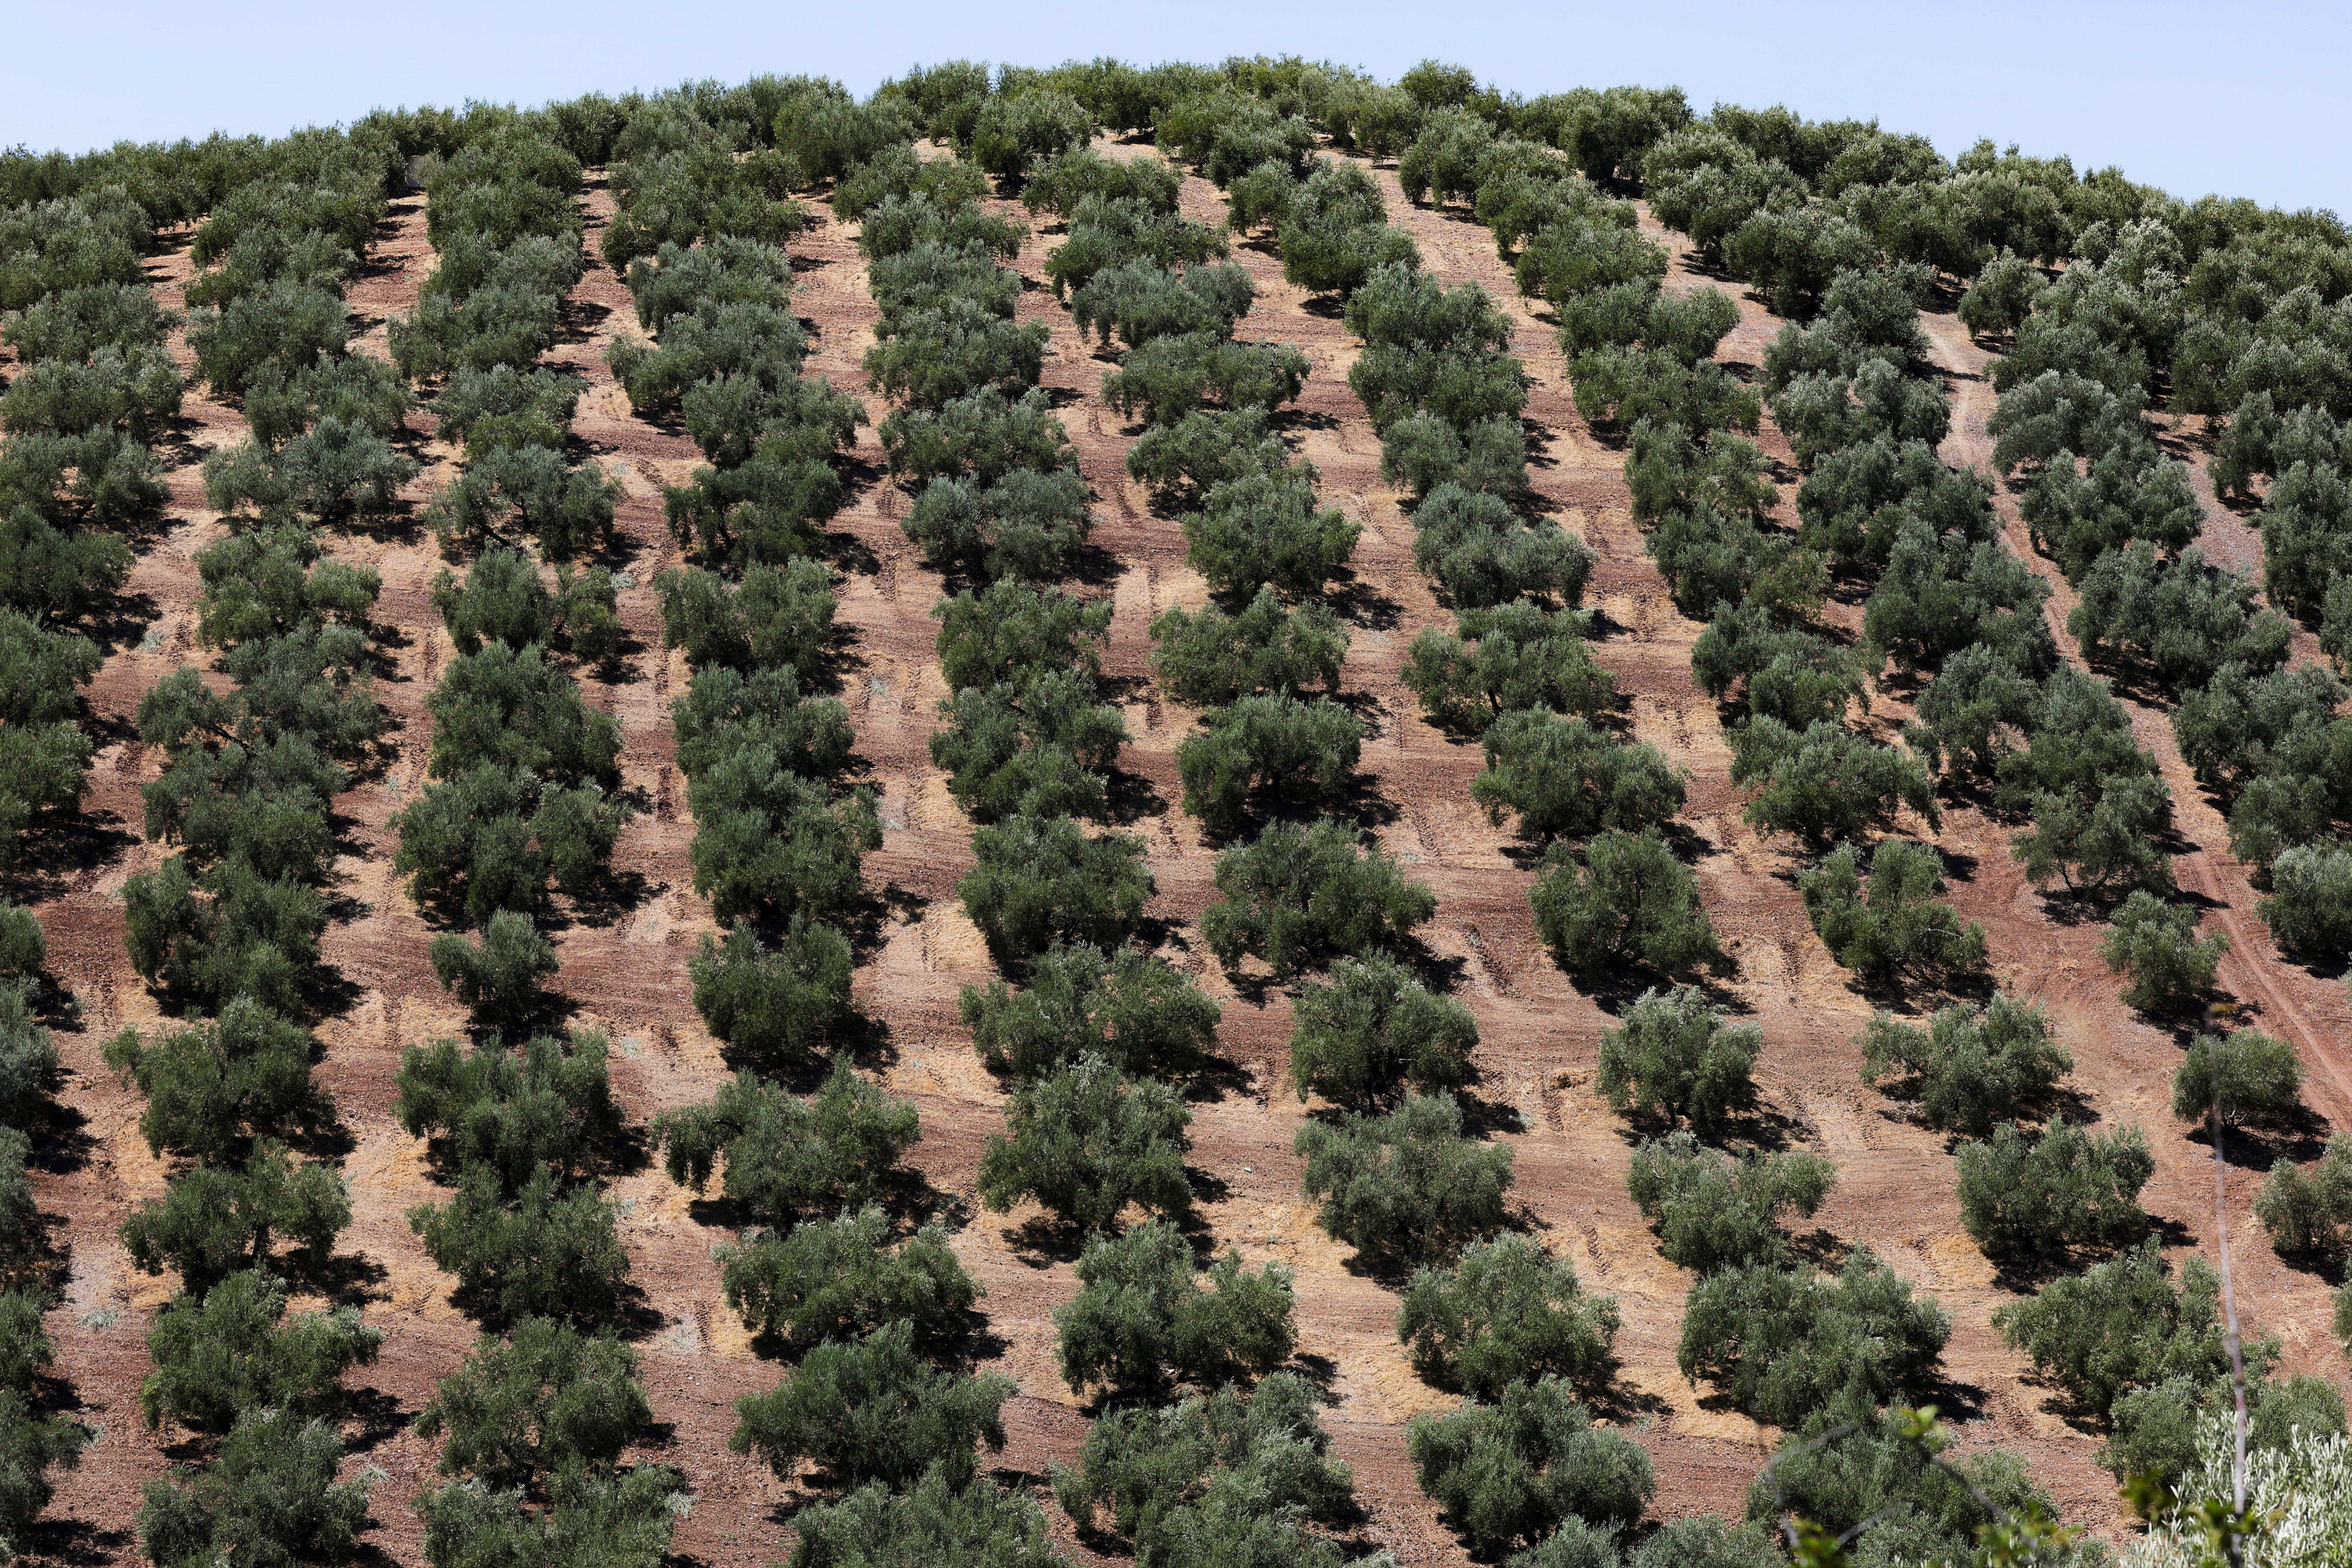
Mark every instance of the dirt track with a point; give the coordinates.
(624, 962)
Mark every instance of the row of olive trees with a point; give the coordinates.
(93, 387)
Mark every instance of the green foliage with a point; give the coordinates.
(1937, 596)
(270, 581)
(1485, 554)
(726, 710)
(838, 1279)
(984, 439)
(1130, 1008)
(30, 1068)
(1230, 1472)
(597, 1521)
(537, 1251)
(519, 490)
(1824, 781)
(516, 709)
(1506, 1314)
(937, 1524)
(777, 615)
(1141, 1319)
(935, 356)
(1902, 925)
(270, 1498)
(1028, 525)
(214, 1221)
(1140, 300)
(286, 322)
(1274, 746)
(769, 840)
(502, 600)
(1793, 674)
(210, 1086)
(252, 938)
(1715, 1212)
(1877, 1477)
(1011, 134)
(503, 407)
(498, 976)
(1405, 1187)
(1625, 900)
(1262, 529)
(233, 1350)
(785, 1156)
(1516, 656)
(31, 1444)
(1040, 881)
(2308, 910)
(1971, 1066)
(1514, 1470)
(772, 1006)
(1970, 716)
(1181, 463)
(1857, 500)
(1675, 1055)
(2067, 1190)
(491, 838)
(2171, 968)
(2305, 1211)
(1785, 1344)
(871, 1411)
(1107, 232)
(2123, 1324)
(2246, 1076)
(1084, 1141)
(1038, 749)
(2159, 1430)
(1332, 237)
(1566, 777)
(43, 771)
(1373, 1031)
(2182, 618)
(1170, 377)
(1297, 893)
(549, 1109)
(1059, 184)
(1705, 1541)
(54, 573)
(1211, 659)
(544, 1400)
(1422, 453)
(1011, 632)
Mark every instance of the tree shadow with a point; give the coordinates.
(77, 1543)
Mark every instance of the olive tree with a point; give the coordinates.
(1085, 1141)
(772, 1005)
(2244, 1077)
(839, 1279)
(1129, 1008)
(870, 1410)
(2067, 1190)
(785, 1156)
(1512, 1472)
(1374, 1032)
(1902, 925)
(2156, 943)
(1406, 1186)
(1785, 1344)
(1506, 1312)
(1296, 893)
(1624, 900)
(1972, 1066)
(1714, 1211)
(1676, 1055)
(1040, 881)
(1142, 1320)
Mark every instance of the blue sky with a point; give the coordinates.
(2245, 100)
